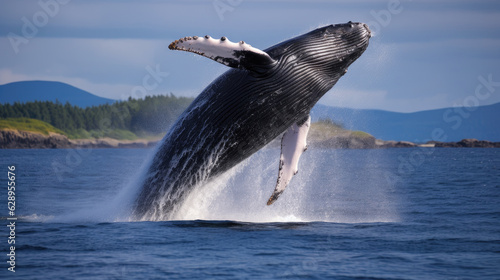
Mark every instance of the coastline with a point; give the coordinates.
(16, 139)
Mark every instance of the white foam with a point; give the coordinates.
(241, 194)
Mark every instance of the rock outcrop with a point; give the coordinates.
(344, 141)
(113, 143)
(395, 144)
(14, 139)
(468, 143)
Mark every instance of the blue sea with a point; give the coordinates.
(414, 213)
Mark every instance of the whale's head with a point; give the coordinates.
(344, 43)
(330, 49)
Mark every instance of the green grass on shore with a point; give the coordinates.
(37, 126)
(361, 134)
(326, 129)
(31, 125)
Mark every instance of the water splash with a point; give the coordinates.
(330, 186)
(161, 203)
(346, 186)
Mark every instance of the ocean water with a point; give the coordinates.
(348, 214)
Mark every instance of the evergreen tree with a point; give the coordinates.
(153, 114)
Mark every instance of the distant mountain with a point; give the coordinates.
(27, 91)
(482, 123)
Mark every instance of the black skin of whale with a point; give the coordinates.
(245, 109)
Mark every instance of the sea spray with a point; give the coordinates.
(332, 186)
(241, 194)
(346, 186)
(166, 190)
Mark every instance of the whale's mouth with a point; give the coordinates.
(367, 29)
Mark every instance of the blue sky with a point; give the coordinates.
(424, 55)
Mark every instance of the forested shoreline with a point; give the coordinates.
(142, 122)
(149, 116)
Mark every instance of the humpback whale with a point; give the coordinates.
(266, 93)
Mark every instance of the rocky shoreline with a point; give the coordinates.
(467, 143)
(14, 139)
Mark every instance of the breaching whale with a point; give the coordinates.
(266, 93)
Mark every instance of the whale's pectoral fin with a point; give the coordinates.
(293, 144)
(236, 55)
